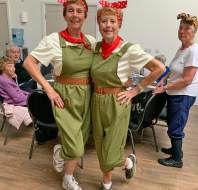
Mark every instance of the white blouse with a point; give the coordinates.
(132, 61)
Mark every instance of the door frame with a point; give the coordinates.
(48, 2)
(9, 19)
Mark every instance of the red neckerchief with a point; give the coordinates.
(68, 37)
(107, 49)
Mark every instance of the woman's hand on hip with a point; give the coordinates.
(126, 96)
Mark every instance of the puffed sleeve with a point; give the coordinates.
(47, 49)
(137, 57)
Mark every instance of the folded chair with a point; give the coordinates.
(41, 112)
(147, 116)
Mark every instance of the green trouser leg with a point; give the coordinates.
(110, 127)
(74, 120)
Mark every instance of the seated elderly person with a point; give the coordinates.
(14, 99)
(23, 78)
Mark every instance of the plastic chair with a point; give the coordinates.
(146, 116)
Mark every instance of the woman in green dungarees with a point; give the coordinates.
(114, 61)
(70, 53)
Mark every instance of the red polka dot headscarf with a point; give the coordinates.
(116, 5)
(114, 8)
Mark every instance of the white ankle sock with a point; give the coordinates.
(130, 163)
(68, 177)
(107, 185)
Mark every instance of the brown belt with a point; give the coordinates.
(107, 90)
(73, 81)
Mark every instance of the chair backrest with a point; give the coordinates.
(1, 99)
(152, 109)
(145, 116)
(40, 107)
(1, 106)
(46, 70)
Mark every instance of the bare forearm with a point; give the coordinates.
(156, 69)
(179, 84)
(187, 78)
(31, 65)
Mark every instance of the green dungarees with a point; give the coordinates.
(74, 120)
(110, 119)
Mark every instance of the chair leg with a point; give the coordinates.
(132, 141)
(81, 163)
(155, 139)
(3, 124)
(7, 134)
(32, 146)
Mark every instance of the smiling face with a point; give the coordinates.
(75, 16)
(186, 33)
(109, 27)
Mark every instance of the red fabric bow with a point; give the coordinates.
(64, 2)
(116, 5)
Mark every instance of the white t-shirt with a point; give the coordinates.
(49, 51)
(184, 58)
(132, 61)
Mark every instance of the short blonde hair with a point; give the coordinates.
(3, 62)
(83, 2)
(110, 11)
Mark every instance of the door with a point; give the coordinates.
(55, 22)
(4, 29)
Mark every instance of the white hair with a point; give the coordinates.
(10, 46)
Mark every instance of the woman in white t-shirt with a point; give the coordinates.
(181, 88)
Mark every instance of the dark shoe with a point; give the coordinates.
(170, 151)
(129, 173)
(167, 150)
(170, 162)
(103, 188)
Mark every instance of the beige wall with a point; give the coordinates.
(151, 23)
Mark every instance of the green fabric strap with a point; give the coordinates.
(125, 48)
